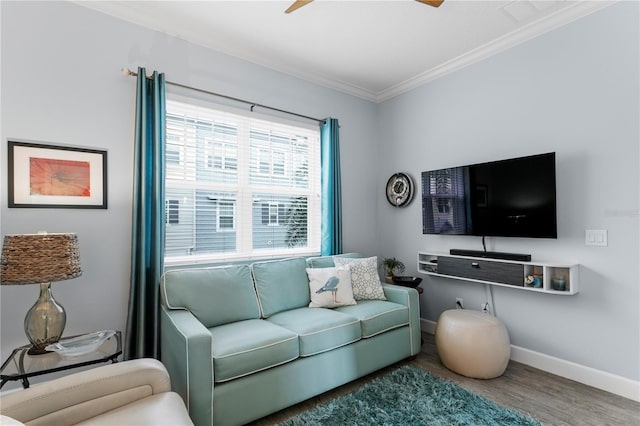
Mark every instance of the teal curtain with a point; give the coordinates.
(148, 229)
(331, 194)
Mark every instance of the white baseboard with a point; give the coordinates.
(580, 373)
(570, 370)
(428, 326)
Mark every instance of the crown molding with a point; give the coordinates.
(557, 19)
(573, 11)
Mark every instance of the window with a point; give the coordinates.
(226, 216)
(248, 187)
(273, 214)
(445, 196)
(172, 212)
(443, 205)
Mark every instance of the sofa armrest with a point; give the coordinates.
(185, 348)
(408, 297)
(81, 396)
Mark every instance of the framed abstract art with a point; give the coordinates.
(50, 176)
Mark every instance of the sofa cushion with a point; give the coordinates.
(281, 285)
(330, 287)
(319, 329)
(364, 277)
(213, 295)
(327, 261)
(377, 316)
(245, 347)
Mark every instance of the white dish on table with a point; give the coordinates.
(81, 345)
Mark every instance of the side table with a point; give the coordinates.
(20, 365)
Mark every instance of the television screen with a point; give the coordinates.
(508, 198)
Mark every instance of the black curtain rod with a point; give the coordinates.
(128, 72)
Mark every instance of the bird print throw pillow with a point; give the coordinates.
(330, 287)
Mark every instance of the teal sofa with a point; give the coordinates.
(240, 342)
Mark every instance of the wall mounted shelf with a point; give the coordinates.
(541, 277)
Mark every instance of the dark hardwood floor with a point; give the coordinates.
(550, 399)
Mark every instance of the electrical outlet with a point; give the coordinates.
(459, 303)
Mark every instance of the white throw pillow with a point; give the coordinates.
(364, 277)
(330, 287)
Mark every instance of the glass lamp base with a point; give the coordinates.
(44, 322)
(33, 350)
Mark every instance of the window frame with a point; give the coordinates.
(274, 213)
(219, 215)
(244, 250)
(171, 211)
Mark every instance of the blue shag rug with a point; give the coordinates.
(411, 396)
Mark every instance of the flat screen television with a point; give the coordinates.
(506, 198)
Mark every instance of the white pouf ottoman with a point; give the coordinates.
(472, 343)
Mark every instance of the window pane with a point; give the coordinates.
(273, 214)
(278, 163)
(239, 186)
(226, 216)
(446, 199)
(214, 226)
(172, 212)
(279, 221)
(279, 159)
(180, 239)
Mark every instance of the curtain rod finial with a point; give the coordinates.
(126, 72)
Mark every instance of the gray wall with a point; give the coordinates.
(573, 91)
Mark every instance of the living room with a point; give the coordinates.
(573, 91)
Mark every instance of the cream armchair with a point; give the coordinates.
(136, 392)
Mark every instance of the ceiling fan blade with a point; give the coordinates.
(297, 5)
(434, 3)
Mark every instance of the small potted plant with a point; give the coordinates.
(392, 267)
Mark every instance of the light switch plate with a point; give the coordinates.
(596, 237)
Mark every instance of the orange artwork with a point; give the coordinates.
(48, 176)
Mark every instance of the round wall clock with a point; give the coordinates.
(399, 189)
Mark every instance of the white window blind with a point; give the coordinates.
(444, 194)
(239, 187)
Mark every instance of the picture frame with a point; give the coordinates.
(53, 176)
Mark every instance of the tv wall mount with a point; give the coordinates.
(399, 189)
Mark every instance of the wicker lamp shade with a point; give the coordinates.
(39, 258)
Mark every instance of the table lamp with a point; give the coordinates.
(41, 259)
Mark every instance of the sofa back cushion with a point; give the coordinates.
(281, 285)
(214, 296)
(327, 261)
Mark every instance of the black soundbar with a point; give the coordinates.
(491, 254)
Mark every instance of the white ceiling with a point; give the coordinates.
(371, 49)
